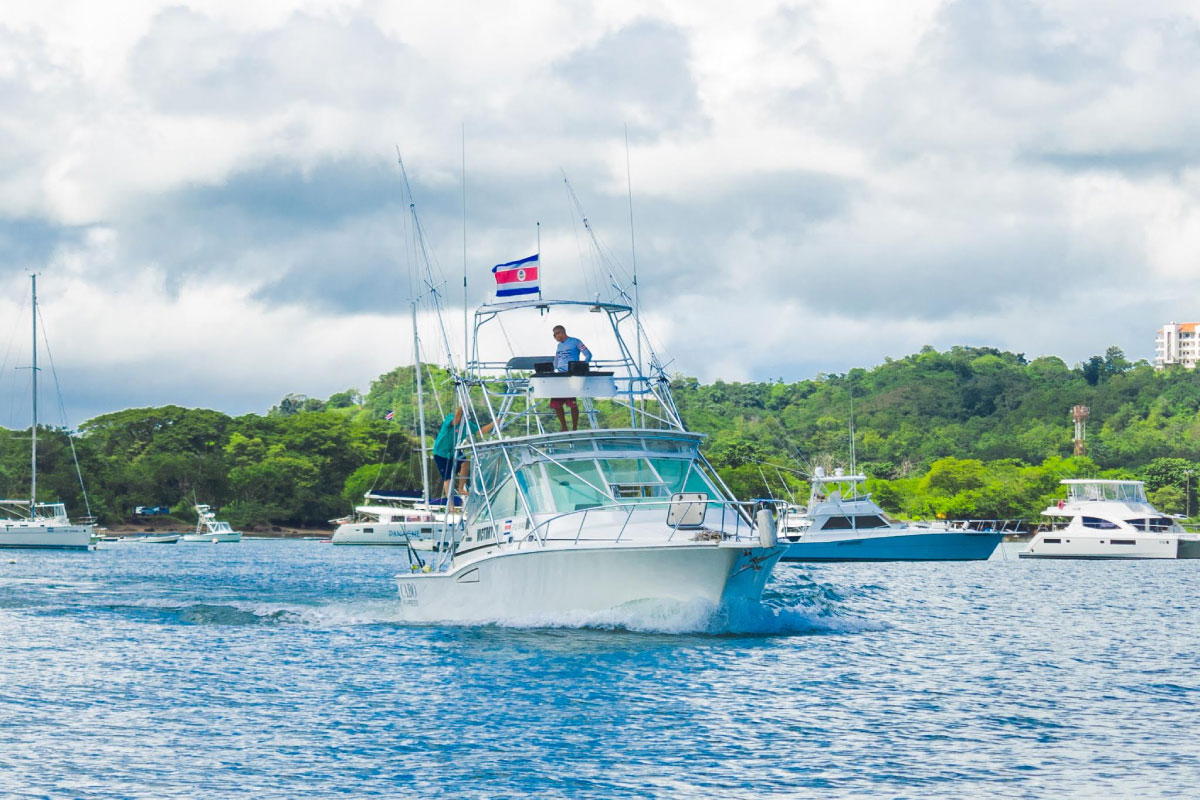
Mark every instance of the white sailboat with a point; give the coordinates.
(210, 529)
(1111, 519)
(26, 522)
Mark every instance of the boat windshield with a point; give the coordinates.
(1121, 491)
(574, 484)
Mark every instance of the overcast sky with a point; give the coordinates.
(209, 191)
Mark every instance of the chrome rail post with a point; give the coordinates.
(582, 520)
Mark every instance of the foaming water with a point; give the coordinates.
(284, 669)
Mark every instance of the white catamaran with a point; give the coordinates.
(400, 519)
(1110, 519)
(26, 522)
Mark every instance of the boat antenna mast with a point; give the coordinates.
(33, 430)
(637, 306)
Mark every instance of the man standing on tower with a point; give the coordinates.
(569, 350)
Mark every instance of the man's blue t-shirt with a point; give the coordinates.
(568, 351)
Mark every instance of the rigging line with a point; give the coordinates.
(63, 411)
(574, 227)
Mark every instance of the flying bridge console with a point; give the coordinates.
(579, 381)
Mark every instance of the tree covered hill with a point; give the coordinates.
(969, 432)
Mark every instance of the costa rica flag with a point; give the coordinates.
(517, 277)
(389, 415)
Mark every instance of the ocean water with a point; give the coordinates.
(279, 670)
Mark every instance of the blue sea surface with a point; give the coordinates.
(279, 669)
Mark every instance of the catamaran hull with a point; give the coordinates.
(383, 534)
(547, 583)
(56, 537)
(1119, 547)
(934, 546)
(213, 538)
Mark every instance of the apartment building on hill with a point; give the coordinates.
(1176, 343)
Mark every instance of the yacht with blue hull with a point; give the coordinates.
(841, 523)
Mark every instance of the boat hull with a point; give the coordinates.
(532, 583)
(928, 546)
(213, 538)
(50, 537)
(1121, 546)
(384, 534)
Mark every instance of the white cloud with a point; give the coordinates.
(210, 187)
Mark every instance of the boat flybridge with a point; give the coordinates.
(624, 509)
(210, 529)
(26, 522)
(1110, 519)
(842, 523)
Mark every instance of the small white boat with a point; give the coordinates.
(841, 523)
(1111, 519)
(210, 529)
(153, 538)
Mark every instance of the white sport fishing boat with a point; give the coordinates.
(26, 523)
(210, 529)
(1110, 519)
(842, 523)
(621, 511)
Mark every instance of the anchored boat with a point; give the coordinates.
(210, 529)
(842, 523)
(1110, 519)
(26, 522)
(392, 518)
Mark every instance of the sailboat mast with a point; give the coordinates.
(33, 437)
(420, 407)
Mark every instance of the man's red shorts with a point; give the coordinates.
(558, 402)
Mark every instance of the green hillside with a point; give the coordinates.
(970, 432)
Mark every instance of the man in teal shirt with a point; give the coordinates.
(449, 436)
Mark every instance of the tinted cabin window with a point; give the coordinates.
(1123, 541)
(1098, 523)
(869, 521)
(1051, 541)
(837, 524)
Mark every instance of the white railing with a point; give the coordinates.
(718, 517)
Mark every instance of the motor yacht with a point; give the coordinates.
(1110, 519)
(842, 523)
